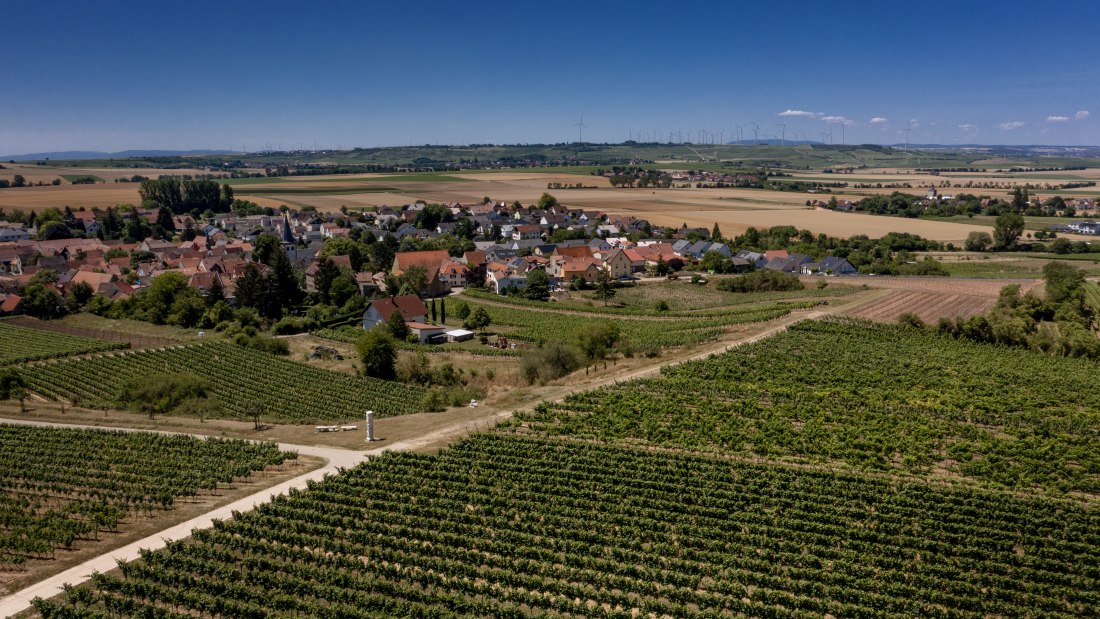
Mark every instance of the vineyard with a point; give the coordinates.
(64, 485)
(644, 334)
(508, 526)
(876, 397)
(240, 379)
(20, 345)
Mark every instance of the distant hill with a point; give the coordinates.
(69, 155)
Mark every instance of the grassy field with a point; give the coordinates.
(1010, 266)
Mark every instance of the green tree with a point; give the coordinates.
(264, 248)
(378, 354)
(478, 319)
(157, 299)
(41, 302)
(1019, 199)
(413, 280)
(1007, 228)
(397, 327)
(285, 285)
(78, 295)
(327, 272)
(443, 311)
(598, 340)
(10, 378)
(251, 288)
(160, 393)
(538, 286)
(604, 290)
(343, 289)
(164, 220)
(215, 293)
(978, 241)
(716, 234)
(547, 201)
(1062, 280)
(355, 252)
(716, 262)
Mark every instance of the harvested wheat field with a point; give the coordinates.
(39, 198)
(929, 306)
(46, 173)
(931, 298)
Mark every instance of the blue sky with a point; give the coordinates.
(119, 75)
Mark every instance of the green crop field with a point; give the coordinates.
(239, 377)
(76, 177)
(874, 397)
(64, 485)
(507, 526)
(644, 334)
(20, 344)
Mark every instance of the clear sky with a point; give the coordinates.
(119, 75)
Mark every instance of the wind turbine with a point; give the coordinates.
(843, 126)
(738, 134)
(755, 134)
(908, 128)
(783, 139)
(580, 129)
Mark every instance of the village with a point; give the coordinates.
(493, 245)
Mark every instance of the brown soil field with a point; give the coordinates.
(929, 306)
(942, 285)
(930, 298)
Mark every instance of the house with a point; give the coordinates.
(500, 277)
(369, 284)
(623, 263)
(830, 265)
(788, 264)
(431, 261)
(454, 275)
(410, 306)
(756, 259)
(587, 269)
(10, 304)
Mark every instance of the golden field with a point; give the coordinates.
(733, 210)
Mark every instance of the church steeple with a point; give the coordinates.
(288, 238)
